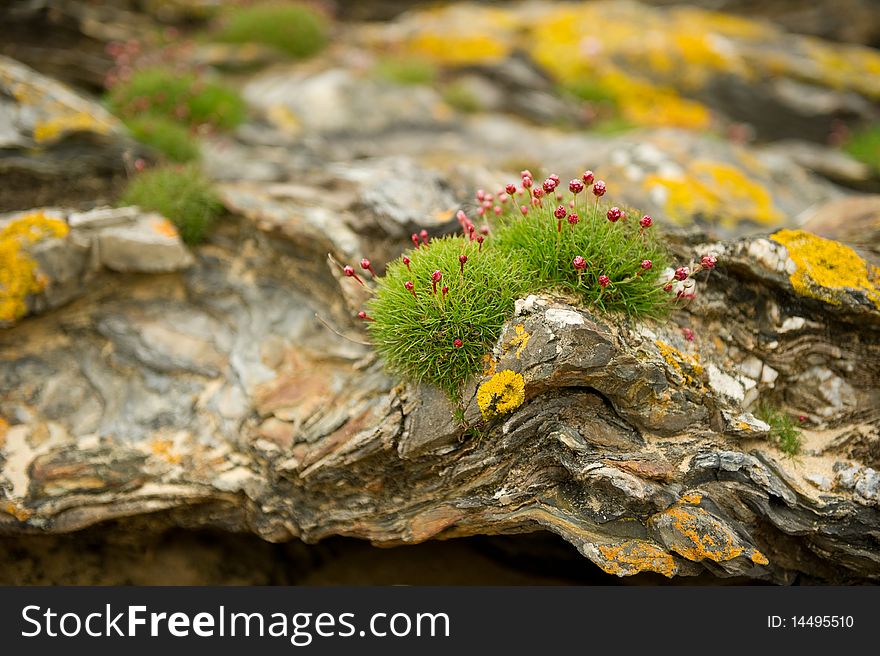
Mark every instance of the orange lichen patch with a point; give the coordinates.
(165, 228)
(489, 365)
(13, 509)
(758, 558)
(714, 190)
(164, 449)
(688, 367)
(520, 340)
(634, 556)
(19, 276)
(827, 270)
(58, 126)
(692, 498)
(4, 427)
(697, 535)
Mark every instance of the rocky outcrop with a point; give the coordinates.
(216, 397)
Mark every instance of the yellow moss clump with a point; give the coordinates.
(826, 269)
(19, 276)
(715, 189)
(51, 129)
(502, 393)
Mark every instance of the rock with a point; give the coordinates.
(150, 244)
(51, 137)
(701, 65)
(338, 102)
(854, 221)
(73, 247)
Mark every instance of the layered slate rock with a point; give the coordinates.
(216, 397)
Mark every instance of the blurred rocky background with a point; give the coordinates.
(174, 173)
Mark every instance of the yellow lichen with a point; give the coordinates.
(634, 556)
(19, 276)
(692, 498)
(502, 393)
(758, 558)
(51, 129)
(715, 190)
(826, 269)
(489, 365)
(519, 340)
(165, 228)
(696, 545)
(678, 361)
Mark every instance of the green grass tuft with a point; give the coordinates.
(181, 194)
(461, 97)
(864, 145)
(296, 30)
(616, 250)
(182, 97)
(415, 335)
(171, 139)
(784, 433)
(408, 71)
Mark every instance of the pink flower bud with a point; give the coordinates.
(523, 209)
(484, 230)
(527, 181)
(410, 287)
(348, 270)
(573, 219)
(480, 240)
(481, 195)
(599, 189)
(681, 273)
(367, 266)
(554, 177)
(510, 189)
(461, 260)
(579, 263)
(457, 343)
(424, 235)
(688, 334)
(366, 317)
(614, 214)
(549, 185)
(604, 281)
(575, 186)
(560, 212)
(667, 287)
(497, 210)
(539, 193)
(462, 217)
(588, 177)
(445, 290)
(435, 278)
(708, 261)
(414, 238)
(406, 261)
(646, 221)
(647, 264)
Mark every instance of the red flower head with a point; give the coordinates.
(708, 261)
(457, 343)
(461, 260)
(366, 266)
(406, 261)
(445, 290)
(510, 189)
(599, 189)
(424, 235)
(681, 273)
(549, 185)
(560, 212)
(526, 174)
(615, 214)
(523, 209)
(527, 181)
(647, 264)
(573, 219)
(646, 221)
(575, 186)
(604, 281)
(555, 178)
(588, 177)
(688, 334)
(579, 263)
(538, 193)
(366, 317)
(410, 287)
(414, 238)
(435, 278)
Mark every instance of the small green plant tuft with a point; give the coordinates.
(460, 96)
(442, 305)
(182, 97)
(408, 71)
(784, 433)
(292, 28)
(171, 139)
(582, 251)
(864, 145)
(181, 194)
(440, 337)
